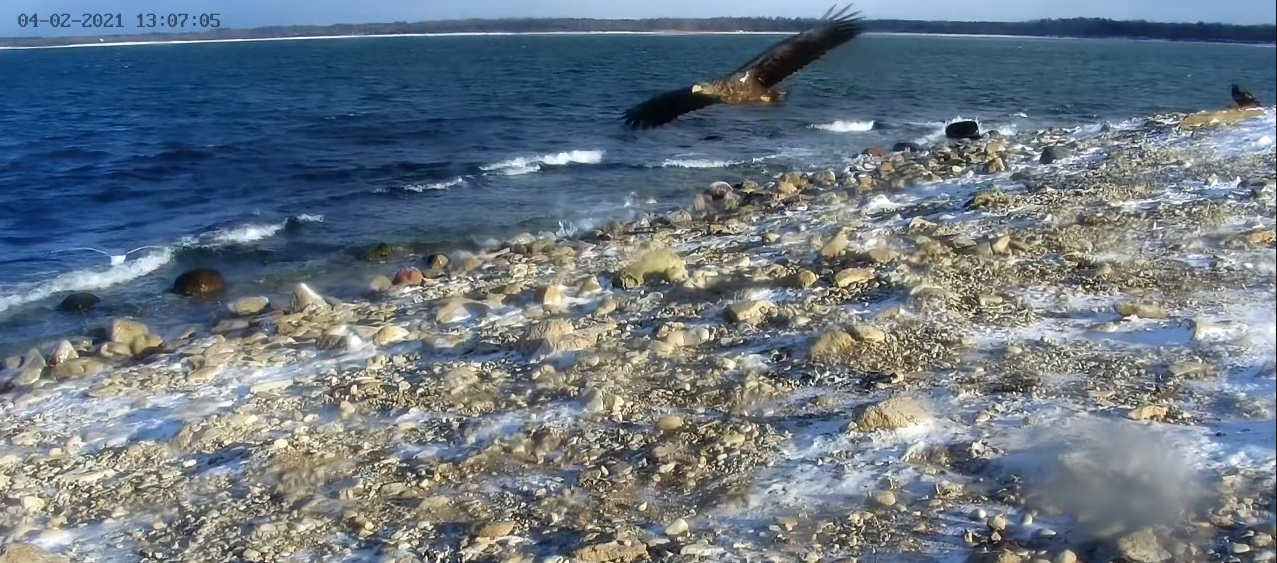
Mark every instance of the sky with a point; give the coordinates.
(254, 13)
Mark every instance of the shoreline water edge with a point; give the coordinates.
(1055, 345)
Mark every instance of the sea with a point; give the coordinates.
(276, 162)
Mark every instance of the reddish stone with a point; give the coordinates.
(408, 276)
(200, 282)
(873, 151)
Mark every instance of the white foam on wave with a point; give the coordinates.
(698, 163)
(841, 126)
(435, 186)
(92, 279)
(85, 280)
(528, 164)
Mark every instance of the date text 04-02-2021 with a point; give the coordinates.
(117, 20)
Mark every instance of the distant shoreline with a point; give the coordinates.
(511, 33)
(1074, 28)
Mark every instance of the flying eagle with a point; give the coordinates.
(755, 81)
(1244, 99)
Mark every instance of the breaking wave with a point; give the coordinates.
(529, 164)
(845, 126)
(98, 277)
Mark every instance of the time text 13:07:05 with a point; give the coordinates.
(117, 20)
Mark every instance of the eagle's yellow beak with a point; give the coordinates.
(696, 88)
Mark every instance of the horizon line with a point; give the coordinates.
(667, 32)
(194, 31)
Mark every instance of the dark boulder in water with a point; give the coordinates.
(200, 282)
(906, 146)
(437, 261)
(1053, 153)
(78, 302)
(380, 252)
(712, 137)
(966, 129)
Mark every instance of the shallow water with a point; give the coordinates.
(279, 161)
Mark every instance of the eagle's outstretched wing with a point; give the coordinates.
(790, 55)
(666, 107)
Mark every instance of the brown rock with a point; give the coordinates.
(28, 553)
(437, 262)
(200, 282)
(891, 414)
(408, 276)
(661, 264)
(125, 330)
(748, 311)
(610, 552)
(852, 276)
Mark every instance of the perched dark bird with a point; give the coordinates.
(755, 81)
(1244, 99)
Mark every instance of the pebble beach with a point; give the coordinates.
(1052, 345)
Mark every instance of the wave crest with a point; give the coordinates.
(527, 165)
(841, 126)
(86, 280)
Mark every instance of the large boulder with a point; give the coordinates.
(965, 129)
(1053, 153)
(381, 251)
(200, 282)
(78, 302)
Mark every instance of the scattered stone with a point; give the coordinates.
(1148, 412)
(437, 262)
(892, 414)
(380, 284)
(1054, 153)
(125, 330)
(1142, 547)
(305, 299)
(390, 334)
(835, 247)
(63, 352)
(748, 312)
(28, 553)
(496, 529)
(669, 423)
(248, 306)
(883, 498)
(867, 333)
(662, 264)
(381, 251)
(408, 276)
(853, 276)
(1143, 311)
(610, 552)
(677, 528)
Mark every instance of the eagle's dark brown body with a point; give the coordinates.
(754, 82)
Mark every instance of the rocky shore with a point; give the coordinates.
(1054, 346)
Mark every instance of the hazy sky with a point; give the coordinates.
(252, 13)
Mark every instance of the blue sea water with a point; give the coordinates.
(282, 161)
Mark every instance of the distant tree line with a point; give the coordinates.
(1073, 27)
